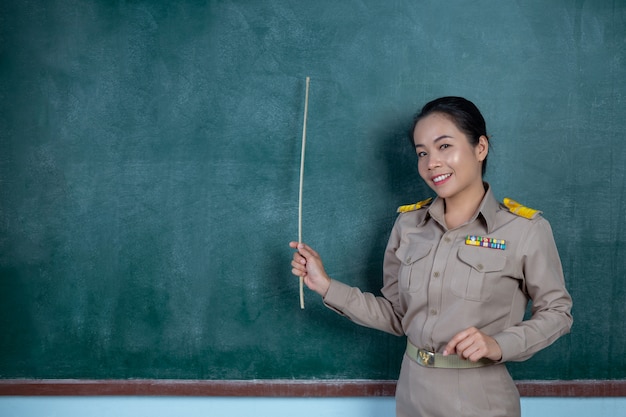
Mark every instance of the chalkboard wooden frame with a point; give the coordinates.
(134, 135)
(278, 388)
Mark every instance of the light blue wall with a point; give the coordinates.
(272, 407)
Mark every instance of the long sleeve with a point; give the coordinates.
(551, 303)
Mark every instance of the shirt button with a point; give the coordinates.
(447, 239)
(436, 274)
(479, 267)
(433, 312)
(408, 260)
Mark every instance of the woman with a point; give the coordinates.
(458, 273)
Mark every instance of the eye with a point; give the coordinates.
(421, 154)
(444, 146)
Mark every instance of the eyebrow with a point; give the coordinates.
(436, 140)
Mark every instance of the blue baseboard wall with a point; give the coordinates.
(272, 407)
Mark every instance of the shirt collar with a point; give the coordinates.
(486, 210)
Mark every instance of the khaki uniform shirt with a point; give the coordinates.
(435, 285)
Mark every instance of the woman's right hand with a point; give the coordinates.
(307, 263)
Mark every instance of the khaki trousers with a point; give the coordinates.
(434, 392)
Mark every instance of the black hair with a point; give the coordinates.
(463, 113)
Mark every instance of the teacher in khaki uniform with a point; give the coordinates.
(458, 273)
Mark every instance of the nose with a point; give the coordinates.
(433, 163)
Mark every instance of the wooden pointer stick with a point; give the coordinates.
(306, 110)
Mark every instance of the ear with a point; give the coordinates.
(482, 148)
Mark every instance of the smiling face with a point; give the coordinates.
(447, 161)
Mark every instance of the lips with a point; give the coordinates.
(440, 178)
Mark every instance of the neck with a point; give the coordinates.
(462, 207)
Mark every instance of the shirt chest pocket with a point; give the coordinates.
(476, 271)
(413, 260)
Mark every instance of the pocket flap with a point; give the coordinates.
(482, 259)
(412, 252)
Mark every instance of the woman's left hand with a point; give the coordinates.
(474, 345)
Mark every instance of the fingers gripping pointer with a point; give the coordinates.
(307, 263)
(474, 345)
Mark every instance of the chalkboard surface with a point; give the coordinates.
(149, 162)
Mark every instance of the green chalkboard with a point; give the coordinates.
(149, 162)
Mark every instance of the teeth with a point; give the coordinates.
(441, 177)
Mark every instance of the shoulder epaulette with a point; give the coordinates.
(413, 207)
(522, 211)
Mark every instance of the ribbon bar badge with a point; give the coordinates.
(485, 242)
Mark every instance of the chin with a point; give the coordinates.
(443, 194)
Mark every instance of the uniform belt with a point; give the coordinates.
(430, 359)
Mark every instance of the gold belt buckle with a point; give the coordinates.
(425, 357)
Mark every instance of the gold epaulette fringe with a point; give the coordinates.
(522, 211)
(413, 207)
